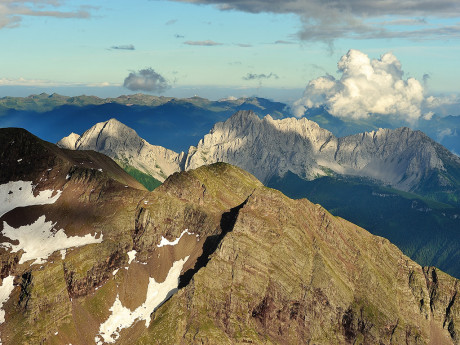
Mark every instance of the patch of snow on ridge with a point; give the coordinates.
(165, 242)
(20, 194)
(38, 241)
(131, 256)
(5, 290)
(157, 294)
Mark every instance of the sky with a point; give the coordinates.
(282, 50)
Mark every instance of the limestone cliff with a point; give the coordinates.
(405, 159)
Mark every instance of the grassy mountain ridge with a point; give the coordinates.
(69, 296)
(425, 230)
(272, 280)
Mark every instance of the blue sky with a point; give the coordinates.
(217, 48)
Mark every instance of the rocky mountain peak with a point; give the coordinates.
(108, 136)
(266, 147)
(69, 141)
(126, 147)
(244, 115)
(241, 119)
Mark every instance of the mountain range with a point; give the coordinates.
(404, 159)
(209, 257)
(179, 123)
(170, 122)
(375, 175)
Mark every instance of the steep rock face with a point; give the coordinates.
(122, 143)
(263, 147)
(405, 159)
(288, 273)
(402, 158)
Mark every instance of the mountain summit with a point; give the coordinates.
(122, 144)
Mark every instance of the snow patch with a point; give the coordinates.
(5, 290)
(38, 241)
(20, 194)
(165, 242)
(19, 160)
(131, 256)
(99, 170)
(115, 272)
(122, 317)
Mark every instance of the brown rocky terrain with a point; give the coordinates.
(290, 273)
(253, 266)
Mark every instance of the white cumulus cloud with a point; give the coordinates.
(365, 87)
